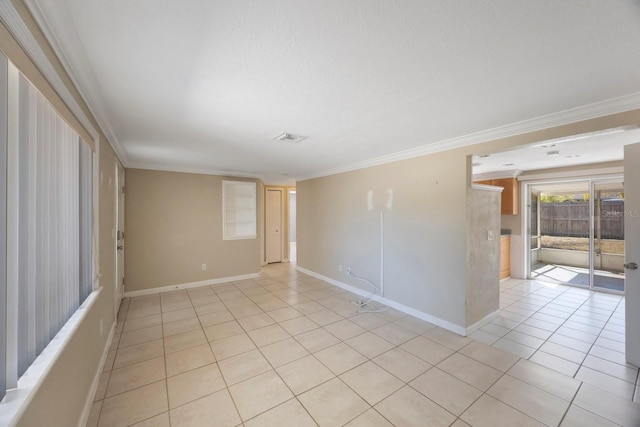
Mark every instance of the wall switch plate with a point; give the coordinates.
(204, 267)
(489, 234)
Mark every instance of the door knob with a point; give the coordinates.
(631, 266)
(120, 247)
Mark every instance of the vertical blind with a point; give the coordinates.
(3, 224)
(52, 273)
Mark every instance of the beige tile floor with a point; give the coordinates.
(290, 350)
(571, 330)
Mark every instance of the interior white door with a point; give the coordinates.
(119, 286)
(632, 251)
(273, 226)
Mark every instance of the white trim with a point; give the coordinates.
(282, 214)
(400, 307)
(584, 112)
(190, 285)
(51, 14)
(96, 380)
(235, 194)
(584, 173)
(17, 400)
(11, 18)
(496, 175)
(495, 188)
(96, 216)
(117, 297)
(480, 323)
(59, 13)
(13, 217)
(187, 169)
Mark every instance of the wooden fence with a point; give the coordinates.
(572, 219)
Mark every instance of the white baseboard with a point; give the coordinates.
(86, 412)
(209, 282)
(480, 323)
(400, 307)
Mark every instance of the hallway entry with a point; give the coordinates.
(273, 226)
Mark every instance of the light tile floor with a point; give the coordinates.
(571, 330)
(290, 350)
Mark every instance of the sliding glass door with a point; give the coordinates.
(608, 238)
(576, 233)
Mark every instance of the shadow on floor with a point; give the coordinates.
(577, 276)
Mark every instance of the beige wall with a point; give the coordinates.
(425, 241)
(483, 255)
(61, 399)
(174, 225)
(425, 230)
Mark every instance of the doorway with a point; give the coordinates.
(292, 226)
(273, 226)
(119, 199)
(576, 233)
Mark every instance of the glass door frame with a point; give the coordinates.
(526, 222)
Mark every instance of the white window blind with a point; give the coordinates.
(49, 249)
(3, 224)
(238, 210)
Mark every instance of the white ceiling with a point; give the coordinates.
(578, 150)
(203, 85)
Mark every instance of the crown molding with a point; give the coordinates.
(50, 15)
(13, 21)
(56, 15)
(265, 179)
(585, 112)
(497, 175)
(201, 171)
(613, 171)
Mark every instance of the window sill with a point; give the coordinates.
(17, 400)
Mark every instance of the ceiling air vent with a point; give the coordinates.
(288, 137)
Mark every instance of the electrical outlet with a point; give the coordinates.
(489, 234)
(204, 267)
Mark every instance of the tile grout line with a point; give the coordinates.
(591, 295)
(367, 330)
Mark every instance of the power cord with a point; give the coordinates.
(366, 305)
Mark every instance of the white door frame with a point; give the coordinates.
(526, 219)
(289, 192)
(281, 220)
(119, 227)
(632, 252)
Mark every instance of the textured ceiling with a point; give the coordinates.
(203, 85)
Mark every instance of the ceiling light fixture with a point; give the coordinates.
(288, 137)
